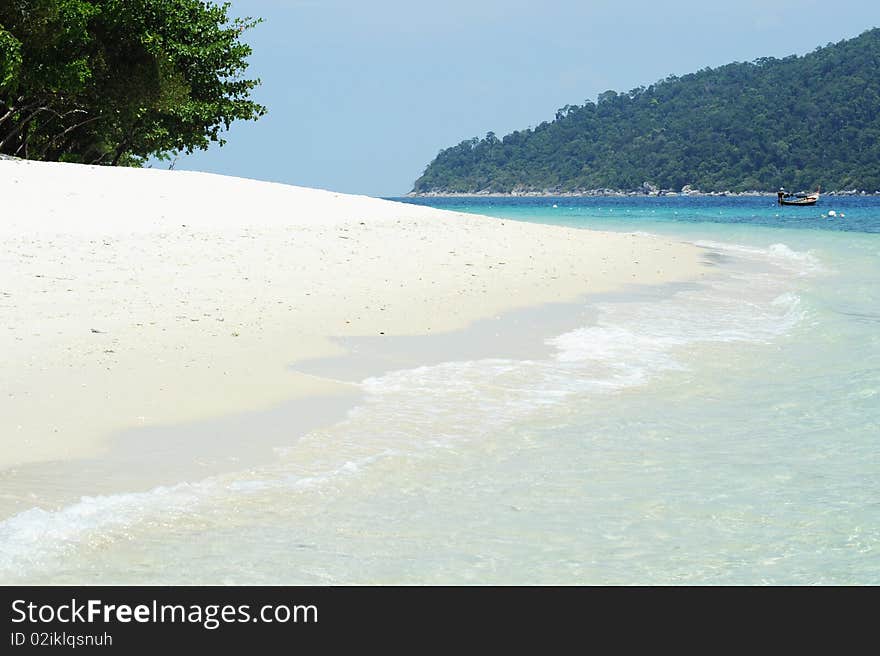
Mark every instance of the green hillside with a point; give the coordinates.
(796, 122)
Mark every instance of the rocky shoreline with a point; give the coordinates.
(617, 193)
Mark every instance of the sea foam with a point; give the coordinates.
(410, 413)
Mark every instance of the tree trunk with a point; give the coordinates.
(64, 133)
(120, 151)
(21, 125)
(13, 109)
(25, 137)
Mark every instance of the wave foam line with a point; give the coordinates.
(409, 412)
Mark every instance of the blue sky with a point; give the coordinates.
(362, 95)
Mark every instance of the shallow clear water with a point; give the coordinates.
(727, 432)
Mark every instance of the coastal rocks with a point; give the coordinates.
(647, 189)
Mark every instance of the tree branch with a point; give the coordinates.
(21, 125)
(68, 130)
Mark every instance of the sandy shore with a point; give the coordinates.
(134, 297)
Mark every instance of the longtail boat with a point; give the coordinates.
(797, 199)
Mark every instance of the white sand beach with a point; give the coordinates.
(135, 297)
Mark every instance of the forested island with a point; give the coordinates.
(798, 122)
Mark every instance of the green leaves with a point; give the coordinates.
(10, 61)
(116, 81)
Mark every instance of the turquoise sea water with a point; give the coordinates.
(756, 458)
(720, 433)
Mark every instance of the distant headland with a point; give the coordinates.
(797, 122)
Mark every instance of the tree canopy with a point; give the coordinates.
(796, 122)
(116, 81)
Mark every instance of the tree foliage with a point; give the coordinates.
(116, 81)
(797, 122)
